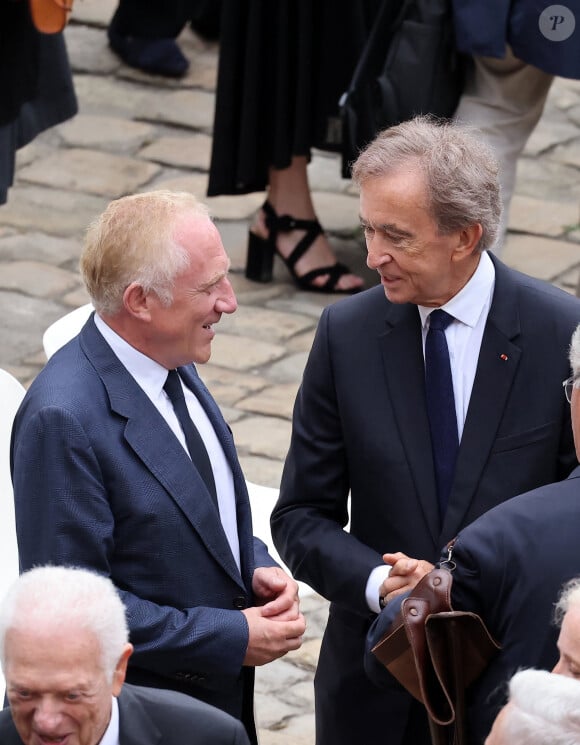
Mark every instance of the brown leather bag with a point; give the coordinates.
(50, 16)
(436, 653)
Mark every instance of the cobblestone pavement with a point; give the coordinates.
(135, 132)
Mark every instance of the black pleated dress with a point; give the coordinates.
(283, 67)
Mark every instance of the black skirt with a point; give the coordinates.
(283, 66)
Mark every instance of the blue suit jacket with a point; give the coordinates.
(100, 481)
(484, 27)
(360, 424)
(510, 566)
(154, 717)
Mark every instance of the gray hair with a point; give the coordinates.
(461, 172)
(132, 241)
(54, 596)
(544, 709)
(569, 596)
(574, 355)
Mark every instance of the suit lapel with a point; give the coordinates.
(8, 732)
(498, 362)
(150, 437)
(135, 725)
(402, 351)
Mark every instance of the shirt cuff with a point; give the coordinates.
(375, 580)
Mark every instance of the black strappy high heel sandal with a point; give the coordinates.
(260, 258)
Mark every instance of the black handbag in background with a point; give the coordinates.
(409, 66)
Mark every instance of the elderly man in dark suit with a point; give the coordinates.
(123, 463)
(426, 431)
(510, 565)
(64, 646)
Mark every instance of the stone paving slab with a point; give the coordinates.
(96, 12)
(47, 249)
(541, 217)
(528, 254)
(184, 108)
(276, 400)
(186, 151)
(288, 369)
(50, 210)
(556, 182)
(264, 323)
(262, 435)
(90, 51)
(298, 730)
(21, 338)
(90, 171)
(108, 133)
(243, 353)
(36, 279)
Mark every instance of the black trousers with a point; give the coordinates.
(157, 19)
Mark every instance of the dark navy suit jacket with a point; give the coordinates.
(510, 566)
(360, 424)
(100, 481)
(155, 717)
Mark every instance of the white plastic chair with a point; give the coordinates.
(262, 498)
(11, 394)
(262, 501)
(64, 329)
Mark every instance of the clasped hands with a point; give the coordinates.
(404, 575)
(275, 625)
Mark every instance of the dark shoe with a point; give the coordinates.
(155, 56)
(260, 258)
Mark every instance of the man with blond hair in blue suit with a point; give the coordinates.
(123, 463)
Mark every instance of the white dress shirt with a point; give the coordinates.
(469, 308)
(111, 736)
(150, 376)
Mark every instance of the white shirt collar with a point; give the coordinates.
(111, 736)
(149, 375)
(469, 303)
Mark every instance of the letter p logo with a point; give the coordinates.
(557, 23)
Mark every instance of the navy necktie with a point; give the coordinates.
(193, 439)
(441, 406)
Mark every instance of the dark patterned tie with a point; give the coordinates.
(441, 406)
(193, 439)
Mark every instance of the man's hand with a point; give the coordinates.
(405, 574)
(276, 625)
(271, 638)
(277, 594)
